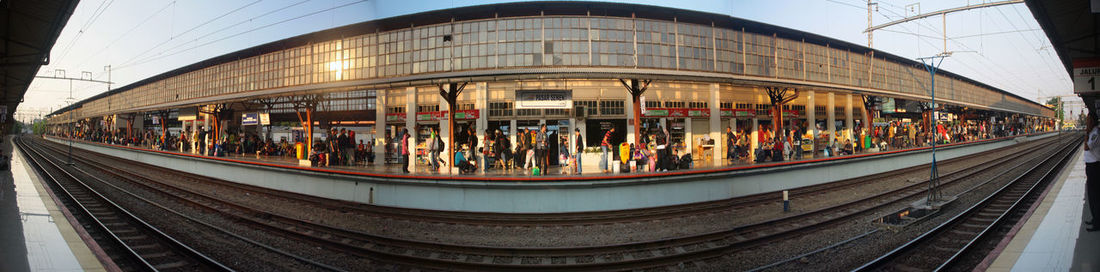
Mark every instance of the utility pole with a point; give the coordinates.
(870, 34)
(932, 64)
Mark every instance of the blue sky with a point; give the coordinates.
(1001, 46)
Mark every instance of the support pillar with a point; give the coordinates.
(811, 113)
(410, 125)
(482, 105)
(445, 136)
(754, 142)
(716, 124)
(512, 133)
(849, 122)
(380, 126)
(830, 112)
(630, 118)
(689, 138)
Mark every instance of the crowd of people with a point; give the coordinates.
(530, 150)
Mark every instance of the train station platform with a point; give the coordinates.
(1054, 237)
(514, 193)
(35, 234)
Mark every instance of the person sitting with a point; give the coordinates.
(848, 148)
(464, 166)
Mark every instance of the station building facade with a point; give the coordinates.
(564, 64)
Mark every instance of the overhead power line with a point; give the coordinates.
(159, 55)
(189, 31)
(257, 28)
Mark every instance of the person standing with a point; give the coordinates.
(731, 139)
(605, 145)
(543, 148)
(1092, 170)
(405, 150)
(579, 141)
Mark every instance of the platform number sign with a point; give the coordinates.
(1086, 74)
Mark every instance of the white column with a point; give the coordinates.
(629, 109)
(830, 112)
(811, 113)
(689, 141)
(410, 125)
(572, 138)
(443, 128)
(380, 126)
(512, 132)
(716, 123)
(848, 121)
(753, 144)
(482, 105)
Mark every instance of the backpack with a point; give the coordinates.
(535, 171)
(439, 145)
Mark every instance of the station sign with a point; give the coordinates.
(544, 99)
(188, 114)
(250, 119)
(1086, 74)
(265, 119)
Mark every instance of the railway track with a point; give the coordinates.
(38, 155)
(132, 243)
(954, 244)
(667, 252)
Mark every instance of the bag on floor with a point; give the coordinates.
(535, 171)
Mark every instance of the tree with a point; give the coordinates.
(1059, 111)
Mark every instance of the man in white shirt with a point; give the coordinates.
(1092, 169)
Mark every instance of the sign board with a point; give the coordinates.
(395, 117)
(889, 106)
(544, 99)
(442, 115)
(188, 114)
(156, 120)
(1086, 74)
(265, 119)
(676, 112)
(250, 119)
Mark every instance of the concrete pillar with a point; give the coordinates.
(849, 122)
(572, 138)
(194, 135)
(512, 133)
(830, 112)
(444, 128)
(380, 126)
(482, 105)
(410, 124)
(811, 113)
(716, 123)
(629, 109)
(689, 141)
(753, 139)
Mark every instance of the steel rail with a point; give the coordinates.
(185, 250)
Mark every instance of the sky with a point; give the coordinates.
(1000, 46)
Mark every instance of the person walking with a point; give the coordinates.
(605, 145)
(1092, 170)
(433, 147)
(529, 142)
(579, 141)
